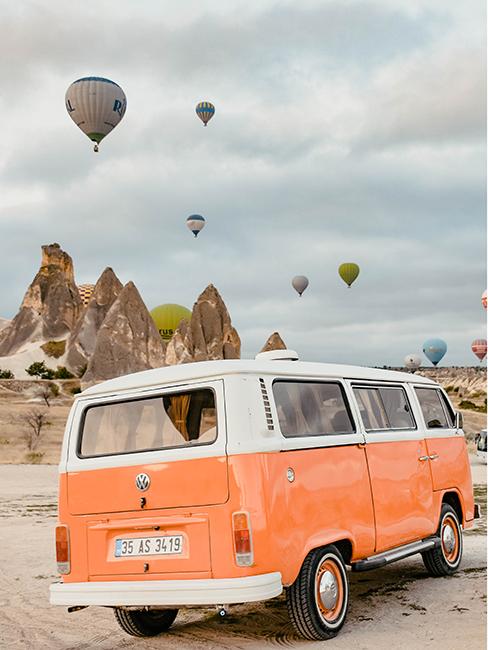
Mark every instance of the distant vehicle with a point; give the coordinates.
(480, 441)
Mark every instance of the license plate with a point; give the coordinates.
(167, 545)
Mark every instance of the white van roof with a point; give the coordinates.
(214, 369)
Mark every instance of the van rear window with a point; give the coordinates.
(171, 420)
(311, 409)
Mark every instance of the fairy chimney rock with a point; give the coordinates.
(81, 343)
(208, 336)
(51, 305)
(127, 341)
(274, 342)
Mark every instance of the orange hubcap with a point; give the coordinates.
(329, 590)
(450, 539)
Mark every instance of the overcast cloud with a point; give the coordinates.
(344, 131)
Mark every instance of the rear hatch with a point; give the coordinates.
(136, 458)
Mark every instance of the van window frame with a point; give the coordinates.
(321, 436)
(377, 385)
(443, 399)
(161, 394)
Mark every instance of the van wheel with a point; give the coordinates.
(145, 622)
(445, 560)
(317, 601)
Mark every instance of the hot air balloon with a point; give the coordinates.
(299, 283)
(86, 292)
(434, 350)
(168, 317)
(195, 223)
(96, 105)
(412, 361)
(484, 299)
(479, 347)
(349, 271)
(205, 111)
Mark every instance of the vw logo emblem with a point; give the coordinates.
(142, 482)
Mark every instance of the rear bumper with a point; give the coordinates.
(224, 591)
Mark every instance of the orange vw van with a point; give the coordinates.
(226, 482)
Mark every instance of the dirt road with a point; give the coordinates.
(398, 606)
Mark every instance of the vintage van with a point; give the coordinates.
(226, 482)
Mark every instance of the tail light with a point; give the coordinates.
(62, 549)
(242, 539)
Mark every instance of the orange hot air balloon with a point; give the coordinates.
(479, 347)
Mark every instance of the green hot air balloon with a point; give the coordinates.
(349, 271)
(168, 317)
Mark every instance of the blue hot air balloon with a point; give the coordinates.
(434, 350)
(195, 223)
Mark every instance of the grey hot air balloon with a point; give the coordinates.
(299, 283)
(413, 362)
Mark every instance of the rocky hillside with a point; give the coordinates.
(113, 334)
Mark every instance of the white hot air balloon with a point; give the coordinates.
(299, 283)
(413, 362)
(96, 105)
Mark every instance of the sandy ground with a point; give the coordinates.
(396, 606)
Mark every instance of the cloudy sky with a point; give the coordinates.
(344, 131)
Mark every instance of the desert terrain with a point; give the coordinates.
(399, 605)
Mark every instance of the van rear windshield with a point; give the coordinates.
(163, 422)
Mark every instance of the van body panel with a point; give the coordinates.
(192, 482)
(402, 492)
(102, 537)
(450, 469)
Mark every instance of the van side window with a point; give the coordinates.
(172, 420)
(437, 413)
(311, 408)
(383, 408)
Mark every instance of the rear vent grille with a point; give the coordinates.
(267, 406)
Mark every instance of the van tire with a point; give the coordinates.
(445, 560)
(145, 622)
(313, 618)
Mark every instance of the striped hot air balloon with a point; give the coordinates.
(205, 111)
(195, 223)
(349, 271)
(484, 301)
(86, 292)
(96, 105)
(479, 347)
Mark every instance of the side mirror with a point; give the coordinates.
(458, 420)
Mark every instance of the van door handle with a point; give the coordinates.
(424, 457)
(434, 456)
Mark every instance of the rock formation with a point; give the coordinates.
(208, 336)
(81, 343)
(274, 342)
(51, 305)
(127, 341)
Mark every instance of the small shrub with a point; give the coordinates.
(39, 369)
(63, 373)
(75, 390)
(4, 441)
(54, 349)
(468, 405)
(34, 457)
(449, 389)
(456, 390)
(6, 374)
